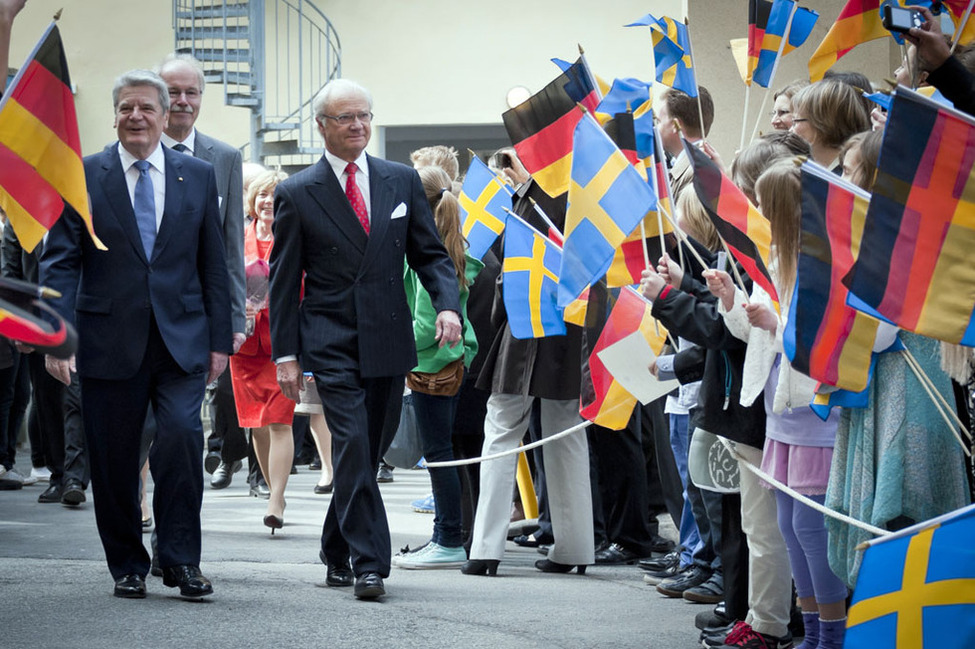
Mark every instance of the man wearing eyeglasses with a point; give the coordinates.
(342, 229)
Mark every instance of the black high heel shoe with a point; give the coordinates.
(274, 522)
(547, 565)
(480, 567)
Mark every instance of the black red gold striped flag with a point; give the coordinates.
(40, 150)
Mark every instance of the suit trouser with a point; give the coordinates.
(566, 471)
(114, 413)
(75, 447)
(770, 575)
(47, 414)
(362, 415)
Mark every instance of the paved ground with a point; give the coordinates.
(269, 591)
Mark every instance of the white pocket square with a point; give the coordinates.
(399, 212)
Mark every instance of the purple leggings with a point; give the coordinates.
(805, 536)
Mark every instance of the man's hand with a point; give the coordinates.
(721, 287)
(670, 270)
(448, 328)
(651, 284)
(218, 363)
(289, 379)
(60, 369)
(762, 317)
(516, 173)
(239, 338)
(928, 39)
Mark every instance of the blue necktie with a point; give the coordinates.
(145, 207)
(182, 148)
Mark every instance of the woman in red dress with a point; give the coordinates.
(260, 404)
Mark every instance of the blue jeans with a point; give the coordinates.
(690, 538)
(435, 421)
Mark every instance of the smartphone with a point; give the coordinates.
(898, 19)
(503, 160)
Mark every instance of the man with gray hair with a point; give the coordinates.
(342, 228)
(153, 319)
(184, 77)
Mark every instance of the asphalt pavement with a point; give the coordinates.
(270, 591)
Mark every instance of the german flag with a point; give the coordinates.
(740, 224)
(858, 22)
(758, 13)
(40, 151)
(541, 128)
(773, 19)
(603, 400)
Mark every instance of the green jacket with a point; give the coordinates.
(430, 356)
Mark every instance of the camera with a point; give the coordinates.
(502, 160)
(897, 19)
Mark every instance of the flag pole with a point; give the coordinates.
(775, 65)
(961, 26)
(734, 268)
(954, 429)
(592, 77)
(548, 221)
(697, 86)
(933, 391)
(744, 115)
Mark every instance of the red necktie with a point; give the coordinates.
(355, 196)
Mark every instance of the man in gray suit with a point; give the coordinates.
(184, 76)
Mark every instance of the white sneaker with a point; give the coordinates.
(410, 555)
(437, 556)
(42, 474)
(14, 474)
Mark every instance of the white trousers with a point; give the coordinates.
(769, 572)
(566, 473)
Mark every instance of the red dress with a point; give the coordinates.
(252, 371)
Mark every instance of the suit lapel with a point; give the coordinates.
(203, 149)
(330, 196)
(116, 191)
(175, 190)
(380, 205)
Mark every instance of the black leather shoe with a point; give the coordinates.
(547, 565)
(533, 540)
(316, 464)
(261, 490)
(384, 474)
(154, 568)
(130, 587)
(337, 575)
(369, 585)
(50, 495)
(665, 562)
(616, 554)
(224, 474)
(211, 461)
(662, 545)
(323, 488)
(73, 494)
(192, 584)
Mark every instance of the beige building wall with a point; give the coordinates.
(434, 61)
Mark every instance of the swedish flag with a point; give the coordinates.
(530, 281)
(483, 198)
(671, 52)
(916, 588)
(607, 200)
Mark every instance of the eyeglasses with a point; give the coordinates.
(780, 113)
(347, 118)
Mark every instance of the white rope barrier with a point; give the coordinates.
(514, 451)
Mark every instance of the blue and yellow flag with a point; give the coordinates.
(530, 281)
(607, 200)
(916, 588)
(671, 52)
(767, 50)
(482, 201)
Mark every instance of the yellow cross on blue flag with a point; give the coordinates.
(530, 281)
(483, 198)
(916, 588)
(671, 52)
(607, 201)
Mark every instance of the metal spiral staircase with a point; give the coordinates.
(271, 56)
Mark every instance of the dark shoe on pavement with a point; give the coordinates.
(532, 540)
(665, 562)
(316, 464)
(323, 488)
(662, 545)
(713, 618)
(654, 577)
(710, 592)
(224, 474)
(261, 490)
(369, 585)
(675, 586)
(384, 474)
(211, 461)
(73, 494)
(154, 568)
(337, 575)
(191, 582)
(130, 587)
(616, 554)
(50, 495)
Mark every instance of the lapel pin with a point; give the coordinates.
(179, 178)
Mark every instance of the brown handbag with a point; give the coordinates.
(445, 383)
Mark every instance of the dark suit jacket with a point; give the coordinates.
(354, 316)
(227, 166)
(111, 295)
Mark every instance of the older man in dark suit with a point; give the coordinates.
(184, 76)
(344, 225)
(153, 319)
